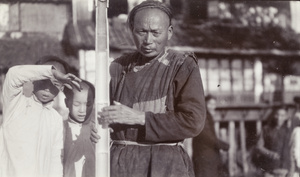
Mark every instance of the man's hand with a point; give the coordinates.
(121, 114)
(69, 80)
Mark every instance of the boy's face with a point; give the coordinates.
(45, 91)
(211, 105)
(81, 106)
(281, 117)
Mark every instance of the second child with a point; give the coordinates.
(79, 151)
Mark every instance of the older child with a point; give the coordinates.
(31, 135)
(79, 151)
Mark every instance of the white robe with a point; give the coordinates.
(31, 135)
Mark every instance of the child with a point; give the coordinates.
(206, 146)
(79, 151)
(273, 145)
(31, 135)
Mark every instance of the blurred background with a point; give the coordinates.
(248, 52)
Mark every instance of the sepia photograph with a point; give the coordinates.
(149, 88)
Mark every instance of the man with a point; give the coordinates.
(158, 100)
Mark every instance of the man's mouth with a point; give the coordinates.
(147, 50)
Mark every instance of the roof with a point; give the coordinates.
(56, 1)
(209, 35)
(82, 36)
(28, 48)
(232, 36)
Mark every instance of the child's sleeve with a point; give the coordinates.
(57, 151)
(18, 75)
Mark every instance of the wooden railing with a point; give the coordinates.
(235, 121)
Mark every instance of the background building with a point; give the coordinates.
(248, 51)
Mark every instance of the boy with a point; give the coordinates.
(31, 135)
(272, 145)
(79, 151)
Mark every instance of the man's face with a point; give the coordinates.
(151, 32)
(81, 106)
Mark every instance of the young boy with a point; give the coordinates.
(79, 151)
(273, 144)
(31, 135)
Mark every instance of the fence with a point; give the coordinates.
(240, 126)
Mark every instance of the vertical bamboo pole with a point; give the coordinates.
(232, 149)
(243, 144)
(102, 87)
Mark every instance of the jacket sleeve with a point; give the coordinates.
(188, 116)
(18, 75)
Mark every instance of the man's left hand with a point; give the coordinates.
(122, 114)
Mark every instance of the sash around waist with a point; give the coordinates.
(124, 142)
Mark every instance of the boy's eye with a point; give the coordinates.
(76, 104)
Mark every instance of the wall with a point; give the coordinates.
(29, 30)
(231, 79)
(48, 18)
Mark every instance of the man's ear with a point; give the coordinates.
(170, 32)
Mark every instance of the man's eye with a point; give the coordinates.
(141, 33)
(156, 33)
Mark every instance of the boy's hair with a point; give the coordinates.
(209, 97)
(69, 92)
(279, 107)
(51, 58)
(275, 110)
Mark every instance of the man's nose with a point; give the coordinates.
(148, 38)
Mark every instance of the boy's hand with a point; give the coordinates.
(275, 156)
(69, 80)
(94, 134)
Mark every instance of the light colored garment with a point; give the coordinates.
(79, 151)
(295, 152)
(31, 136)
(296, 145)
